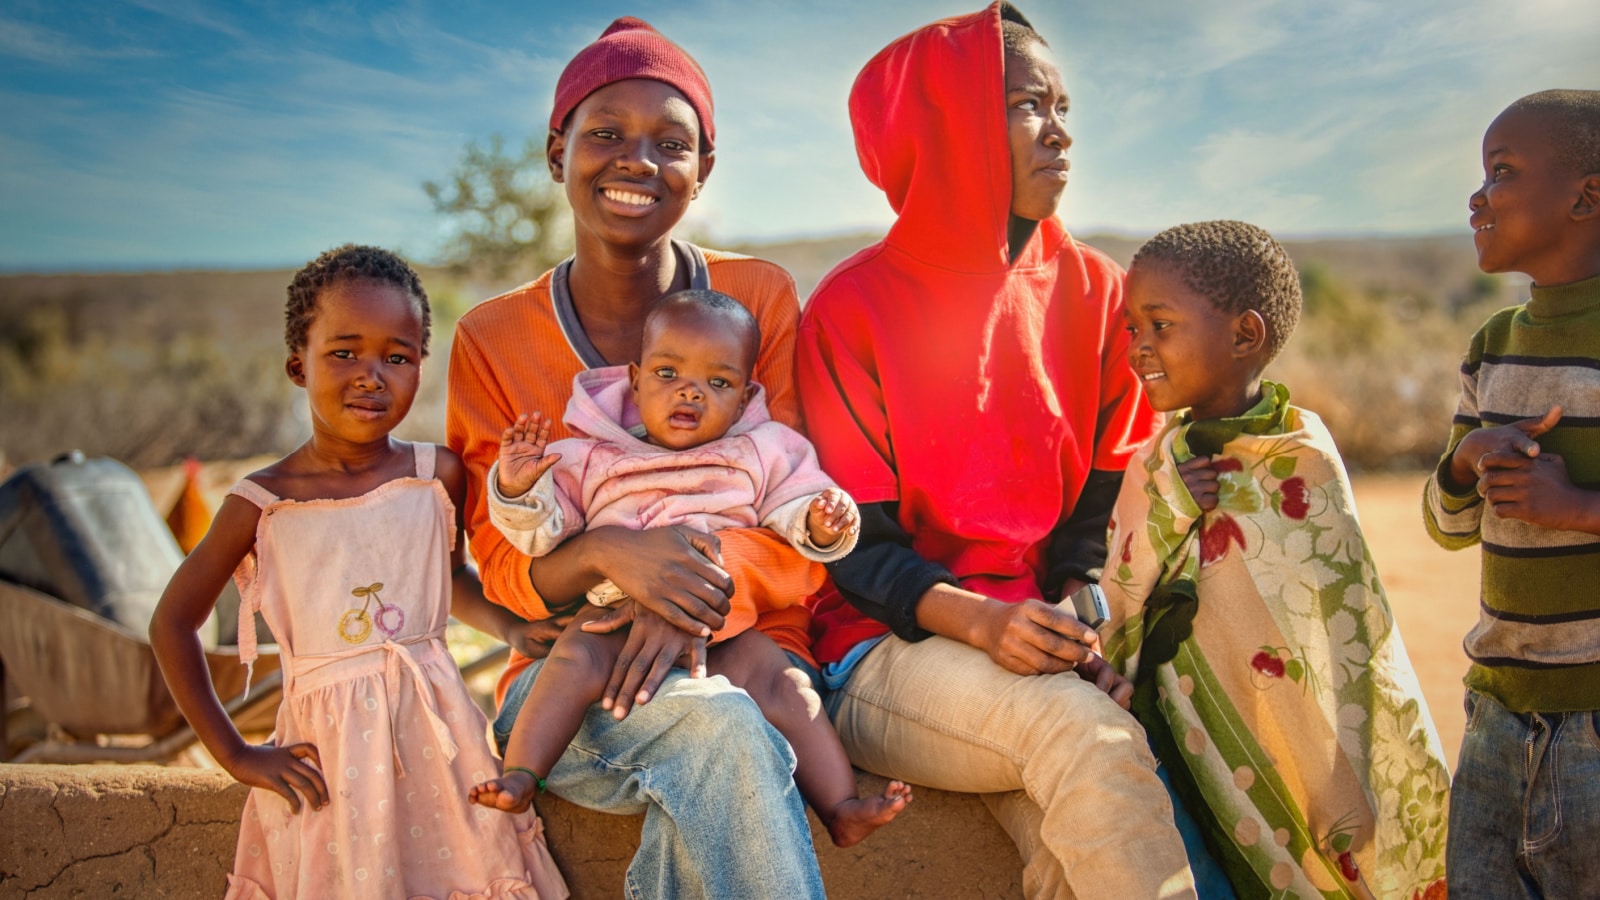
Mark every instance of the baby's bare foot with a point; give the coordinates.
(854, 819)
(512, 792)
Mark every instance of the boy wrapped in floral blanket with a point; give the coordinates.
(1244, 603)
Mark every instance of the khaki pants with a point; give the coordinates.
(1064, 770)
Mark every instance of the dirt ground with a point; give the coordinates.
(1434, 593)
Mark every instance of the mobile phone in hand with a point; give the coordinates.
(1089, 602)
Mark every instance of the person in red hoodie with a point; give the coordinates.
(964, 380)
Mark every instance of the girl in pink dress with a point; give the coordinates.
(349, 547)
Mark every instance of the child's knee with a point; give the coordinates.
(581, 662)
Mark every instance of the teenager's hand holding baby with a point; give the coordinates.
(830, 517)
(522, 456)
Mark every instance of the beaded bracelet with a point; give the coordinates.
(531, 773)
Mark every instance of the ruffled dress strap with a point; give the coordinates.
(425, 453)
(245, 577)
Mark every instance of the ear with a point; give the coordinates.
(633, 377)
(1587, 206)
(555, 149)
(707, 160)
(749, 394)
(295, 366)
(1249, 334)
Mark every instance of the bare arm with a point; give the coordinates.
(291, 771)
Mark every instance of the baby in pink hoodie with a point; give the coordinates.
(681, 438)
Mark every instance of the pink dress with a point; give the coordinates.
(357, 592)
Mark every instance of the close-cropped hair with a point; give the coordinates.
(1237, 267)
(1573, 118)
(715, 303)
(1016, 32)
(350, 262)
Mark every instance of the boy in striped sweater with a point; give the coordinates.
(1522, 477)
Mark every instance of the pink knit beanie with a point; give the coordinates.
(630, 48)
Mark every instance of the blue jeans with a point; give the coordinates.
(722, 816)
(1525, 805)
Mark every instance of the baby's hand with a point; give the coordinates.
(1200, 477)
(831, 515)
(522, 457)
(1474, 454)
(290, 772)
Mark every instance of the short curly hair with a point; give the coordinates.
(1237, 267)
(1573, 121)
(348, 263)
(1016, 32)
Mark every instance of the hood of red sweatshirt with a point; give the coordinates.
(953, 197)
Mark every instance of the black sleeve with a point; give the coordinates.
(884, 578)
(1078, 545)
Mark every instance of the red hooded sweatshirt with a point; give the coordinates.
(969, 395)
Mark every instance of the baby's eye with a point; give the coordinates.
(666, 373)
(721, 383)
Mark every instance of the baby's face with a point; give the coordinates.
(1181, 346)
(691, 383)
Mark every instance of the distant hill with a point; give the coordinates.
(150, 367)
(1442, 268)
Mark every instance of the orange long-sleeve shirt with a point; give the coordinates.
(518, 353)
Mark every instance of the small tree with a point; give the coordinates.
(506, 216)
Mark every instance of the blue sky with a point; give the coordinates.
(183, 133)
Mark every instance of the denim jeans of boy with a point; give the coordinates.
(1525, 805)
(723, 818)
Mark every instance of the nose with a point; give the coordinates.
(637, 156)
(688, 390)
(370, 378)
(1477, 199)
(1055, 131)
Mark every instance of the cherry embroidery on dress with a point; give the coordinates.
(355, 625)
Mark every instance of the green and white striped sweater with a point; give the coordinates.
(1537, 642)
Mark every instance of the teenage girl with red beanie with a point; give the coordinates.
(631, 138)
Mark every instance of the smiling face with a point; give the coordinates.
(1186, 352)
(361, 361)
(1522, 216)
(1036, 112)
(631, 162)
(693, 378)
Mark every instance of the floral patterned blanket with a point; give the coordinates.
(1267, 665)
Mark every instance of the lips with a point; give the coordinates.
(1057, 169)
(684, 418)
(367, 408)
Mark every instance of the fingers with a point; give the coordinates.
(1041, 639)
(613, 619)
(1202, 481)
(642, 677)
(709, 546)
(695, 661)
(1533, 427)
